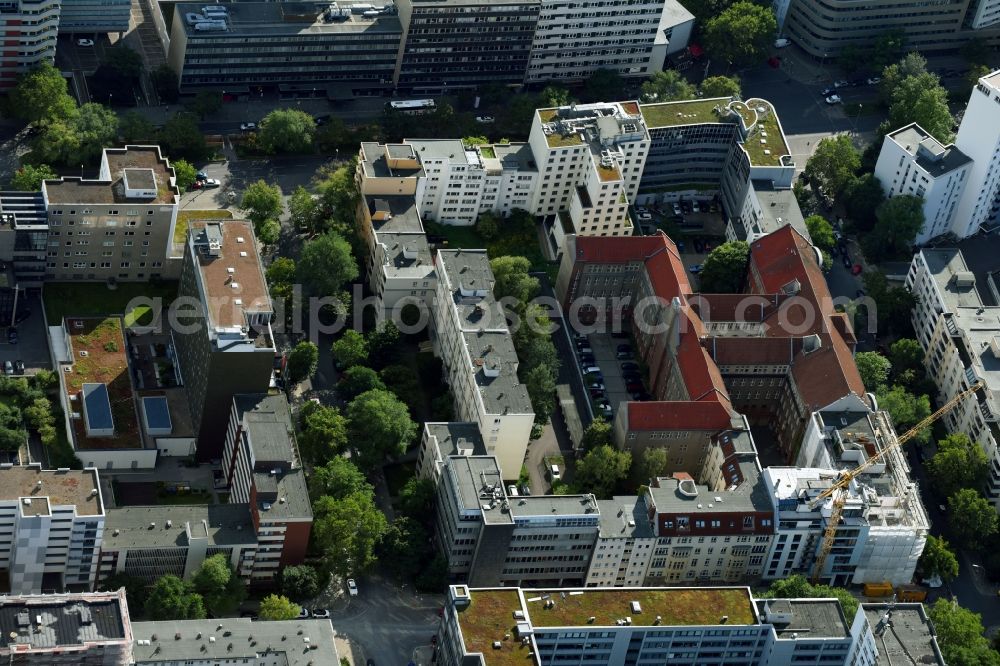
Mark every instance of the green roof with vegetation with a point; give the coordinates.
(767, 122)
(489, 618)
(689, 112)
(675, 606)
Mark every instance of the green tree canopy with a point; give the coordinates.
(893, 304)
(327, 264)
(41, 96)
(221, 589)
(350, 349)
(205, 103)
(405, 548)
(261, 202)
(898, 221)
(383, 344)
(797, 587)
(834, 164)
(720, 86)
(126, 62)
(324, 432)
(653, 463)
(874, 369)
(912, 64)
(171, 598)
(380, 426)
(356, 380)
(416, 499)
(598, 433)
(602, 470)
(281, 276)
(30, 176)
(300, 582)
(603, 85)
(339, 478)
(960, 635)
(165, 83)
(269, 232)
(302, 361)
(181, 137)
(512, 279)
(905, 409)
(540, 382)
(338, 193)
(276, 607)
(742, 34)
(959, 463)
(185, 172)
(821, 233)
(921, 99)
(861, 198)
(136, 128)
(906, 354)
(668, 85)
(303, 210)
(286, 131)
(937, 560)
(725, 268)
(972, 519)
(555, 96)
(347, 531)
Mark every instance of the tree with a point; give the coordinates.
(893, 304)
(269, 232)
(205, 103)
(96, 126)
(540, 382)
(906, 354)
(874, 369)
(383, 344)
(339, 478)
(861, 198)
(821, 233)
(261, 202)
(905, 409)
(350, 350)
(797, 587)
(720, 86)
(742, 34)
(598, 433)
(323, 432)
(338, 193)
(602, 470)
(135, 588)
(302, 361)
(488, 225)
(300, 582)
(725, 268)
(960, 635)
(959, 463)
(180, 136)
(552, 96)
(171, 598)
(405, 547)
(286, 131)
(654, 463)
(41, 96)
(512, 279)
(222, 590)
(603, 85)
(185, 172)
(667, 86)
(381, 424)
(281, 276)
(937, 560)
(165, 84)
(125, 62)
(135, 128)
(434, 577)
(416, 499)
(58, 142)
(346, 531)
(356, 380)
(975, 73)
(898, 221)
(303, 210)
(834, 164)
(30, 176)
(327, 264)
(912, 64)
(921, 99)
(276, 607)
(971, 518)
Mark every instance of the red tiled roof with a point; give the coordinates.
(659, 253)
(735, 307)
(783, 256)
(701, 375)
(707, 415)
(753, 351)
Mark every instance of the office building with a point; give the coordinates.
(227, 348)
(824, 29)
(914, 163)
(94, 16)
(51, 629)
(471, 337)
(957, 324)
(301, 48)
(463, 44)
(900, 633)
(262, 468)
(234, 640)
(572, 41)
(53, 522)
(979, 138)
(119, 226)
(719, 625)
(24, 240)
(28, 29)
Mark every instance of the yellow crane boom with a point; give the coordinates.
(845, 478)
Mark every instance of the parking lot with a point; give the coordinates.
(32, 346)
(611, 373)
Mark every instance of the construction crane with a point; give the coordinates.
(839, 488)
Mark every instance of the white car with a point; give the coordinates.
(555, 473)
(246, 127)
(781, 43)
(644, 217)
(486, 120)
(84, 42)
(833, 99)
(303, 613)
(211, 183)
(352, 587)
(874, 81)
(321, 613)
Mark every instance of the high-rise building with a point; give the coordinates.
(28, 29)
(227, 347)
(979, 138)
(94, 16)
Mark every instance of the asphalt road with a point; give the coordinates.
(235, 175)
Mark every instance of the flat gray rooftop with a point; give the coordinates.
(146, 526)
(284, 18)
(287, 495)
(495, 367)
(394, 214)
(377, 156)
(906, 638)
(66, 620)
(811, 618)
(515, 156)
(268, 427)
(750, 494)
(624, 517)
(407, 253)
(944, 264)
(932, 156)
(450, 150)
(454, 435)
(479, 485)
(779, 207)
(236, 640)
(535, 506)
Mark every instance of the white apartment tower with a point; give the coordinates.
(979, 138)
(28, 29)
(912, 162)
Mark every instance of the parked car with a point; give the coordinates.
(856, 269)
(874, 80)
(303, 613)
(512, 491)
(676, 208)
(695, 207)
(699, 246)
(826, 92)
(624, 356)
(554, 472)
(584, 350)
(596, 394)
(201, 175)
(841, 84)
(525, 489)
(833, 99)
(321, 613)
(598, 385)
(246, 127)
(604, 407)
(211, 183)
(19, 366)
(644, 217)
(594, 374)
(695, 269)
(629, 366)
(632, 376)
(486, 120)
(781, 43)
(12, 335)
(84, 42)
(634, 387)
(847, 260)
(352, 587)
(587, 360)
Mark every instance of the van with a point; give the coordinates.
(554, 471)
(511, 491)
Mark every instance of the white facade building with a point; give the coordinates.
(987, 13)
(915, 163)
(52, 523)
(979, 138)
(573, 40)
(960, 336)
(28, 29)
(470, 335)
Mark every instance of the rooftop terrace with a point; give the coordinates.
(768, 129)
(689, 112)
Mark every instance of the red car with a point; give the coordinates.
(856, 270)
(196, 185)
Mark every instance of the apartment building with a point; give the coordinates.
(719, 625)
(957, 324)
(94, 16)
(225, 347)
(979, 138)
(912, 162)
(824, 29)
(119, 226)
(53, 521)
(262, 468)
(29, 29)
(50, 629)
(463, 44)
(573, 40)
(899, 631)
(24, 240)
(471, 337)
(320, 49)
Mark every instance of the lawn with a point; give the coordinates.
(693, 112)
(86, 299)
(185, 217)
